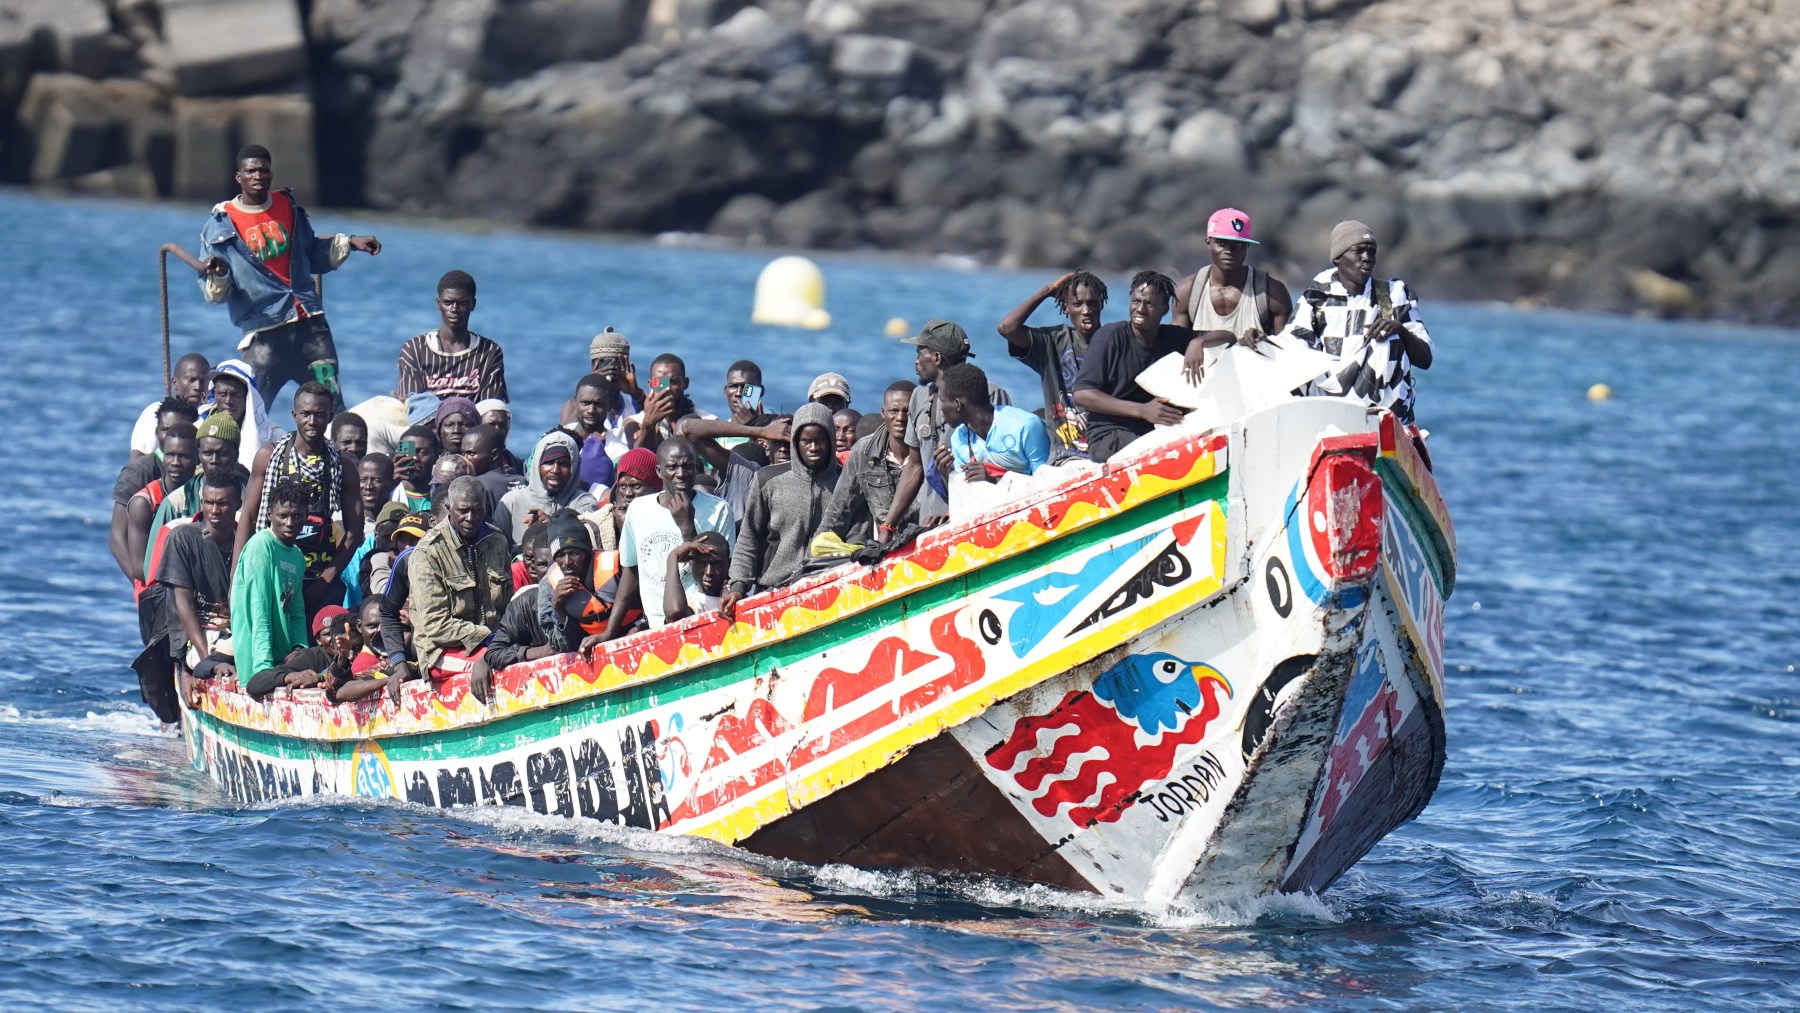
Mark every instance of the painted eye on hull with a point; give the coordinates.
(1167, 669)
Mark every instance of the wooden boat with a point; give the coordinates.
(1214, 667)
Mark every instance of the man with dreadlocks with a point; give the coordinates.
(1120, 411)
(328, 478)
(1056, 353)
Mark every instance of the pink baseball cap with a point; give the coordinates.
(1230, 223)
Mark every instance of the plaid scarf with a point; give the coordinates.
(285, 460)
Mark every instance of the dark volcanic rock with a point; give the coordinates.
(1626, 156)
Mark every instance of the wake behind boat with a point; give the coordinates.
(1212, 667)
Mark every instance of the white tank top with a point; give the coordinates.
(1247, 315)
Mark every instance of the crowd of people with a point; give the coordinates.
(402, 539)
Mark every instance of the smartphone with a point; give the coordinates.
(659, 383)
(751, 394)
(407, 448)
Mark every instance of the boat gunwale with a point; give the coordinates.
(1113, 504)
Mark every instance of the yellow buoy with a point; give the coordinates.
(1599, 392)
(897, 327)
(790, 292)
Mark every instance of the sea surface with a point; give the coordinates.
(1616, 828)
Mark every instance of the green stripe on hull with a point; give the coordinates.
(524, 729)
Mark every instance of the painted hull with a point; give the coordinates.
(1215, 668)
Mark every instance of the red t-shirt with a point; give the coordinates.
(268, 233)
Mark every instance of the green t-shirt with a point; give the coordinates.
(268, 616)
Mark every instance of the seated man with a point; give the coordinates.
(843, 431)
(451, 360)
(414, 458)
(1372, 325)
(328, 665)
(186, 383)
(390, 581)
(180, 455)
(655, 525)
(329, 479)
(707, 560)
(217, 450)
(551, 487)
(871, 473)
(785, 506)
(637, 476)
(268, 612)
(455, 416)
(570, 603)
(497, 413)
(609, 362)
(375, 482)
(1056, 353)
(1120, 411)
(989, 440)
(461, 577)
(138, 475)
(830, 390)
(195, 574)
(942, 344)
(350, 434)
(482, 447)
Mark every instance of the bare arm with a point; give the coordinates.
(188, 612)
(117, 541)
(137, 535)
(1178, 313)
(695, 428)
(1012, 326)
(1281, 306)
(350, 503)
(675, 605)
(627, 599)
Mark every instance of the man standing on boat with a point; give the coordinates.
(268, 612)
(260, 256)
(1371, 324)
(1056, 353)
(461, 580)
(1228, 294)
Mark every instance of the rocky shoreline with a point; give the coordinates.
(1578, 153)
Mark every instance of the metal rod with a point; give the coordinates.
(162, 277)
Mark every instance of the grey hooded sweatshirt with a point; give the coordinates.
(782, 512)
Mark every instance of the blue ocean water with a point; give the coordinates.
(1616, 826)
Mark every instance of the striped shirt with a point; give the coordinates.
(478, 372)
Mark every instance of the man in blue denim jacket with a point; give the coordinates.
(260, 255)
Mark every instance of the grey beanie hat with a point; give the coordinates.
(1347, 234)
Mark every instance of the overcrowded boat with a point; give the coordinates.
(1211, 667)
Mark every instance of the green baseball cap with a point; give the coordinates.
(943, 337)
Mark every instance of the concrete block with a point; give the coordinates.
(224, 47)
(71, 126)
(205, 140)
(67, 35)
(284, 125)
(209, 131)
